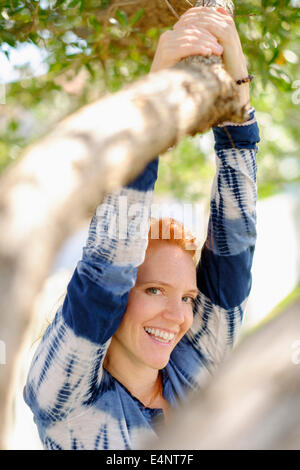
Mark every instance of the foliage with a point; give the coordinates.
(85, 57)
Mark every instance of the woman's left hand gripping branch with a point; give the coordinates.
(204, 31)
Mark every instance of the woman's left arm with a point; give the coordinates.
(224, 269)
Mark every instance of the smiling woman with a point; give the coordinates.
(159, 313)
(143, 324)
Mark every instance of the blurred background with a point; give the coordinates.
(56, 56)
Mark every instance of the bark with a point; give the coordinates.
(253, 402)
(61, 179)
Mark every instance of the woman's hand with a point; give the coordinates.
(186, 39)
(204, 31)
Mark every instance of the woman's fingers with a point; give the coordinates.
(208, 18)
(221, 31)
(215, 22)
(207, 12)
(200, 31)
(188, 45)
(197, 33)
(199, 37)
(204, 48)
(205, 19)
(223, 11)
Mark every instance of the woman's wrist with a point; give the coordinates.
(236, 65)
(159, 64)
(234, 60)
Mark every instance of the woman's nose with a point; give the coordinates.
(174, 312)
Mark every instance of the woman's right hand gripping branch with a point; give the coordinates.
(204, 31)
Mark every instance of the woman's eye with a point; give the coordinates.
(189, 300)
(153, 290)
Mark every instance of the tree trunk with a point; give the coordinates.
(62, 178)
(253, 402)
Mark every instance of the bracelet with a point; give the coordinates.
(244, 80)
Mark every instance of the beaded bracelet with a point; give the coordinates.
(244, 80)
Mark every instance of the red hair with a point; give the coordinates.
(172, 231)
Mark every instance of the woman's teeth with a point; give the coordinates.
(162, 336)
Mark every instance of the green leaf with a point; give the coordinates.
(104, 3)
(136, 16)
(89, 68)
(17, 9)
(92, 20)
(8, 38)
(59, 2)
(274, 57)
(81, 6)
(153, 33)
(74, 3)
(13, 125)
(122, 17)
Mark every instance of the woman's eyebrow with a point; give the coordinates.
(192, 290)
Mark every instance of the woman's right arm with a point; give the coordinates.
(66, 369)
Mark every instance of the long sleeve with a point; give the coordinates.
(66, 369)
(224, 269)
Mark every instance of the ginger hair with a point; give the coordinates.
(172, 231)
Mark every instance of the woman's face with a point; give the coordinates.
(160, 303)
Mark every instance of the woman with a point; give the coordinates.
(141, 325)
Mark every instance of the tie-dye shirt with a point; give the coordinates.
(76, 403)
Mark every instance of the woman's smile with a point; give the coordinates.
(160, 337)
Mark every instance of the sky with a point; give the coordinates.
(24, 54)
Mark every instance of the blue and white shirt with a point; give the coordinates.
(76, 403)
